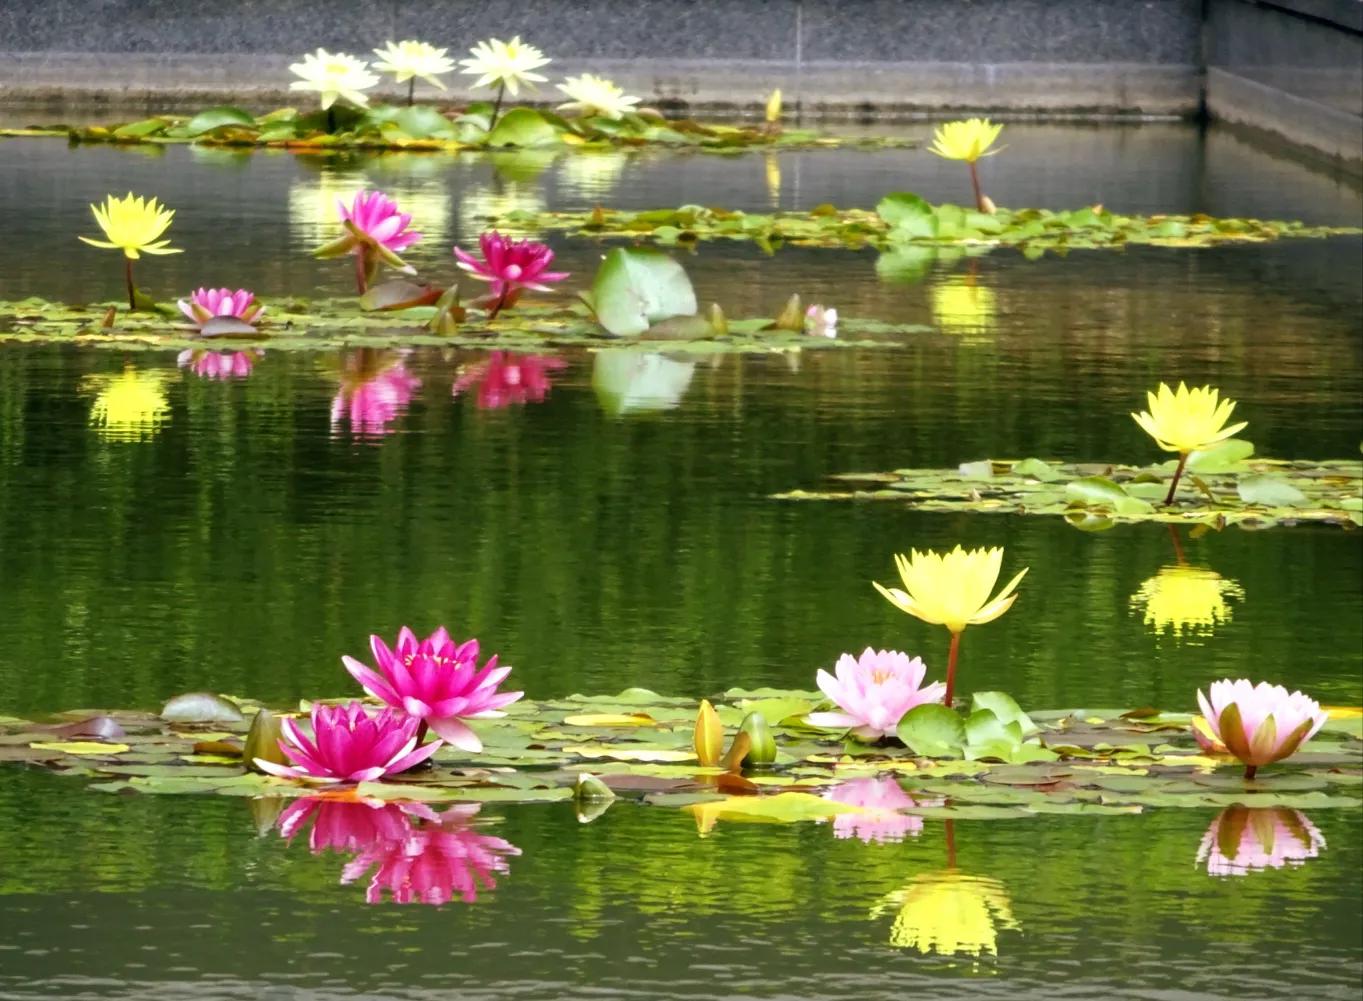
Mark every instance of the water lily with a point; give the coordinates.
(376, 230)
(821, 321)
(509, 266)
(952, 589)
(435, 682)
(204, 304)
(1185, 421)
(409, 60)
(884, 798)
(505, 65)
(334, 75)
(968, 140)
(130, 406)
(349, 745)
(375, 390)
(1259, 724)
(507, 379)
(218, 364)
(1243, 838)
(874, 691)
(134, 225)
(595, 95)
(1186, 599)
(948, 913)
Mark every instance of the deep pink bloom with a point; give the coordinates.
(372, 396)
(377, 216)
(884, 796)
(1262, 723)
(1242, 839)
(511, 264)
(507, 378)
(204, 304)
(874, 692)
(437, 682)
(218, 364)
(349, 745)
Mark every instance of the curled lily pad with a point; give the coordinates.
(200, 707)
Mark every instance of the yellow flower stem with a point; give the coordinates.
(411, 90)
(1182, 461)
(497, 105)
(128, 277)
(975, 183)
(951, 667)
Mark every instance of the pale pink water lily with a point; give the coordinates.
(507, 378)
(1242, 839)
(874, 691)
(375, 391)
(218, 364)
(509, 266)
(436, 682)
(1262, 723)
(376, 230)
(821, 321)
(204, 304)
(882, 795)
(349, 745)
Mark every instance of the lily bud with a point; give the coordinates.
(762, 745)
(262, 741)
(709, 738)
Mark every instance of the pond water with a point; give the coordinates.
(614, 529)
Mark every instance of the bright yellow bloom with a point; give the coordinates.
(130, 406)
(968, 140)
(774, 107)
(413, 59)
(949, 913)
(962, 306)
(133, 225)
(333, 76)
(1188, 419)
(1182, 598)
(952, 589)
(595, 95)
(509, 64)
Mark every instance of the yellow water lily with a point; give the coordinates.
(134, 225)
(968, 140)
(1186, 420)
(949, 913)
(1186, 599)
(952, 589)
(334, 75)
(129, 406)
(409, 60)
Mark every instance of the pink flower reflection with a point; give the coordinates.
(219, 364)
(417, 856)
(506, 379)
(1244, 838)
(375, 390)
(884, 797)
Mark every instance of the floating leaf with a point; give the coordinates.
(1226, 456)
(523, 127)
(215, 118)
(80, 747)
(200, 707)
(636, 288)
(611, 719)
(1269, 491)
(933, 731)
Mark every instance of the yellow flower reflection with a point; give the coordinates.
(961, 305)
(1185, 599)
(131, 406)
(592, 174)
(949, 913)
(487, 207)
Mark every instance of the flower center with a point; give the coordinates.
(512, 271)
(879, 676)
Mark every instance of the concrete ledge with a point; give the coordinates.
(1328, 131)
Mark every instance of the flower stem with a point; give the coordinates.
(975, 183)
(951, 667)
(331, 119)
(411, 90)
(421, 733)
(128, 278)
(497, 105)
(1182, 461)
(361, 268)
(1249, 771)
(501, 301)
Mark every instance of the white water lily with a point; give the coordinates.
(409, 59)
(595, 95)
(505, 64)
(334, 75)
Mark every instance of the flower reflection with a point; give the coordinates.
(417, 856)
(312, 205)
(592, 175)
(506, 378)
(961, 305)
(487, 207)
(1243, 838)
(219, 364)
(948, 913)
(882, 795)
(375, 390)
(627, 380)
(130, 406)
(1186, 599)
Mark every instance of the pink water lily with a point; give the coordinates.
(349, 745)
(1262, 723)
(204, 304)
(1242, 839)
(218, 364)
(510, 266)
(375, 390)
(436, 682)
(874, 691)
(507, 378)
(884, 797)
(376, 230)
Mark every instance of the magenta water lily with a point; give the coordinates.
(436, 682)
(205, 304)
(376, 231)
(510, 266)
(348, 744)
(1262, 723)
(874, 691)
